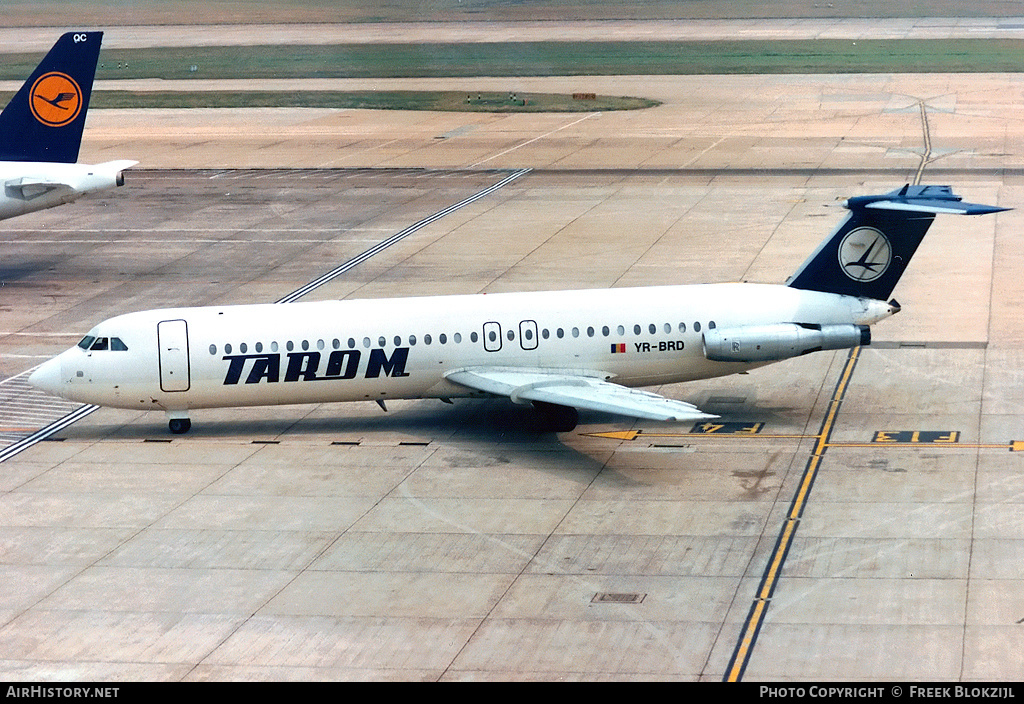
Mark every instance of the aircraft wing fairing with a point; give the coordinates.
(27, 188)
(574, 388)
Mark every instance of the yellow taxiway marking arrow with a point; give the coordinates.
(618, 435)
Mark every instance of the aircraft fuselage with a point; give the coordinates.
(247, 355)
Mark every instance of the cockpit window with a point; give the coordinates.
(102, 344)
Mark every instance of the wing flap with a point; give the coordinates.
(575, 388)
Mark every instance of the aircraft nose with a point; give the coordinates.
(47, 377)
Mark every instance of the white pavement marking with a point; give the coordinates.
(397, 237)
(26, 412)
(531, 141)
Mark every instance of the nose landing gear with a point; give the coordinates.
(179, 426)
(178, 422)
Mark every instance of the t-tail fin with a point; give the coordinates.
(869, 251)
(44, 120)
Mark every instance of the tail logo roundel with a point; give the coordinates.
(864, 254)
(55, 99)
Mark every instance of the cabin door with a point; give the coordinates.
(172, 342)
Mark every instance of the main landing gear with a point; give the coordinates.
(557, 419)
(178, 422)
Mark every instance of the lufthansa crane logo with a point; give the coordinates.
(55, 99)
(864, 254)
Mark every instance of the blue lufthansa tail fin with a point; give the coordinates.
(45, 119)
(866, 255)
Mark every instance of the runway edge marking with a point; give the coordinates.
(769, 579)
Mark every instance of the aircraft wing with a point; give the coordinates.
(574, 388)
(32, 187)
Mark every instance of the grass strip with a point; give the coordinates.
(444, 101)
(552, 59)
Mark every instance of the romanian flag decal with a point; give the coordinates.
(618, 347)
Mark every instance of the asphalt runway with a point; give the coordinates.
(458, 542)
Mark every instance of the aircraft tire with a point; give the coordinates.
(558, 419)
(179, 426)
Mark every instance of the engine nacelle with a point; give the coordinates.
(768, 343)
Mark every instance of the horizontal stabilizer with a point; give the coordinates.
(116, 165)
(924, 199)
(575, 389)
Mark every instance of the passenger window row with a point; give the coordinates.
(620, 330)
(456, 338)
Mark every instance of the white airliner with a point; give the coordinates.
(559, 351)
(41, 132)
